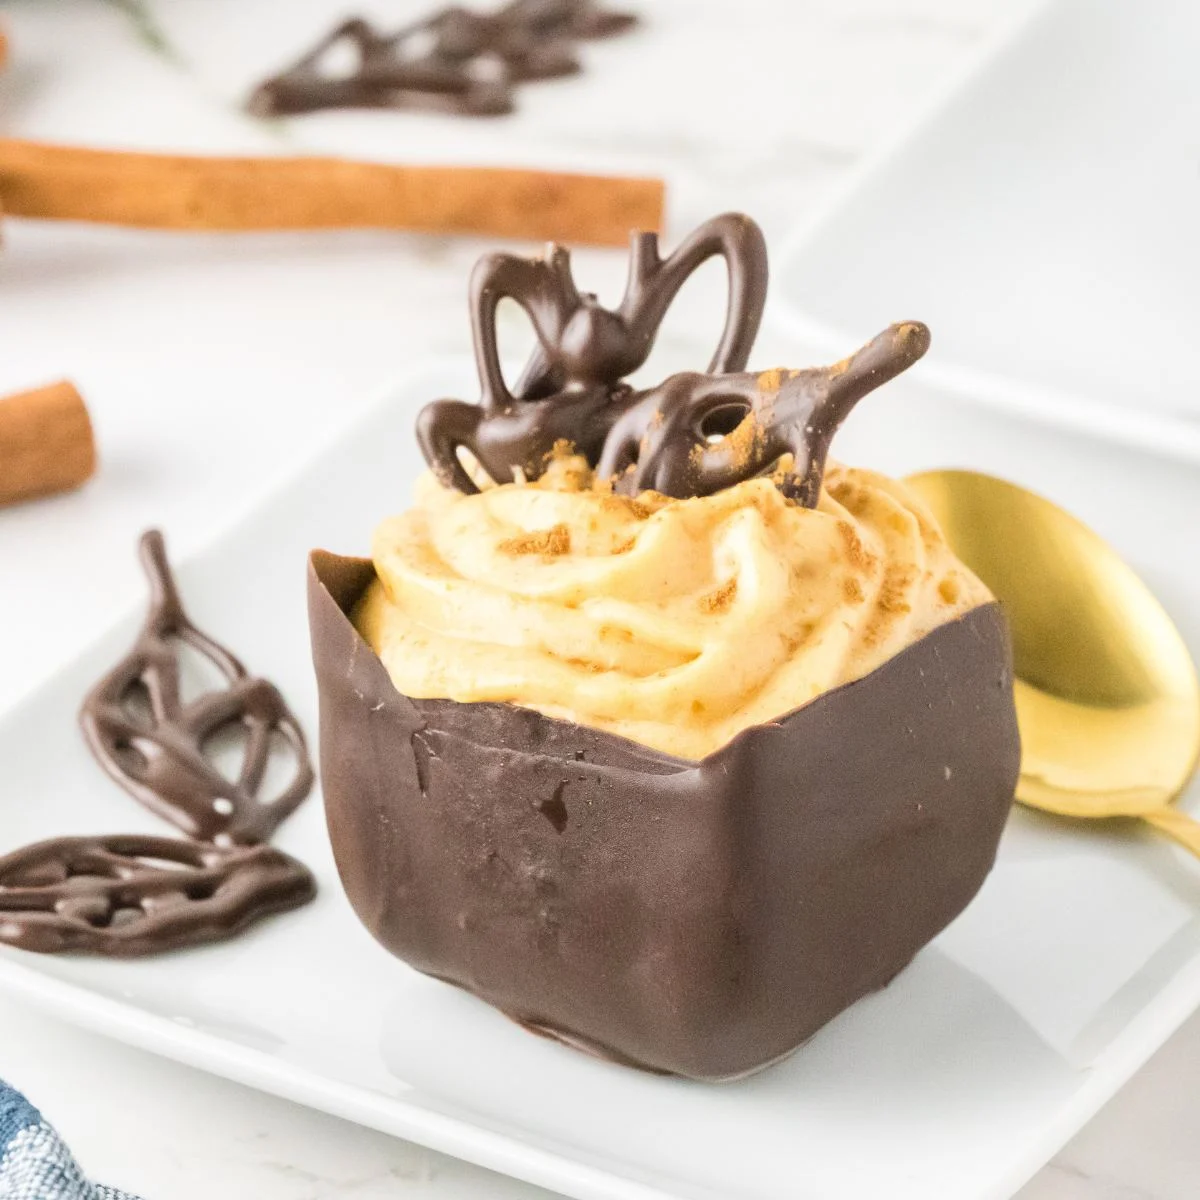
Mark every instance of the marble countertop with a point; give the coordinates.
(187, 350)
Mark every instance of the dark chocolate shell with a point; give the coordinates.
(702, 919)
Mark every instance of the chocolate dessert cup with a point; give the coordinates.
(697, 918)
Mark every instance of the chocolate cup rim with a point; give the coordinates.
(320, 560)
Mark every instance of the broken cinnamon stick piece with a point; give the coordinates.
(46, 443)
(159, 191)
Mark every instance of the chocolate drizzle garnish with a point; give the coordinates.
(126, 895)
(572, 388)
(697, 434)
(156, 746)
(463, 62)
(690, 436)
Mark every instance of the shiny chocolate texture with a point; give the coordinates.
(693, 434)
(156, 745)
(702, 919)
(572, 391)
(127, 895)
(462, 62)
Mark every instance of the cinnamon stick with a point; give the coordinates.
(46, 443)
(160, 191)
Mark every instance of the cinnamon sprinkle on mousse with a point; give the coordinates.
(552, 542)
(720, 600)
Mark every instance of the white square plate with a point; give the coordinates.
(1042, 220)
(1079, 957)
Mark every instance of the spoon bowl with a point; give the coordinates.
(1107, 697)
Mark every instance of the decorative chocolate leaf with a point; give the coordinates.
(159, 747)
(697, 434)
(463, 61)
(384, 75)
(126, 895)
(571, 389)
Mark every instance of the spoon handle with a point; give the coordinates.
(1178, 825)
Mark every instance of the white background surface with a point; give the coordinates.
(211, 365)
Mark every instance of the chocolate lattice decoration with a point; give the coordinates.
(126, 895)
(697, 434)
(460, 61)
(572, 388)
(690, 436)
(157, 747)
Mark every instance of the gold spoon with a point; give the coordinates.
(1107, 698)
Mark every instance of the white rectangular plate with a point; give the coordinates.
(1042, 220)
(1079, 957)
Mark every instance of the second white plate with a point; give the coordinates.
(1042, 220)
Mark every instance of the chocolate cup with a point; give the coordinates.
(701, 919)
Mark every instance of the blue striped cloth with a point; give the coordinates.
(34, 1163)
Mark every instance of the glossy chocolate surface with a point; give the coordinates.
(700, 918)
(456, 60)
(127, 895)
(693, 434)
(572, 391)
(157, 746)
